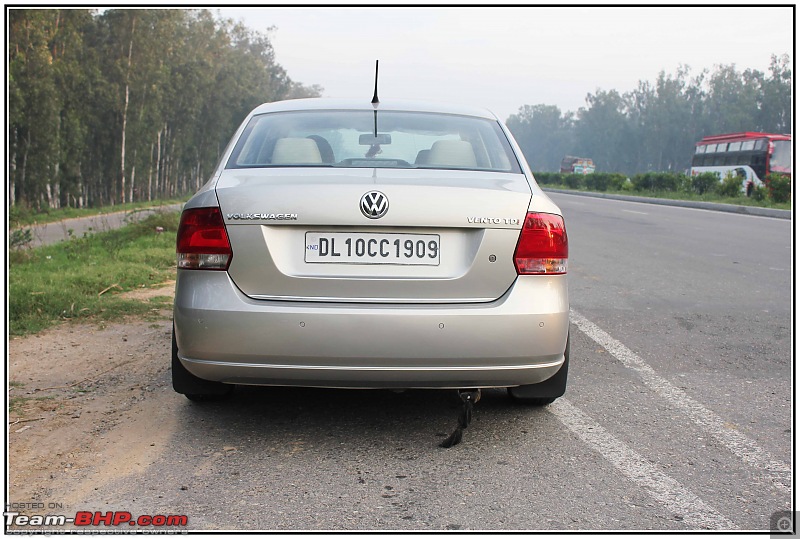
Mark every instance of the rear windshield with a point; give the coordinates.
(367, 139)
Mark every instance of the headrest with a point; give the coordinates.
(296, 151)
(457, 153)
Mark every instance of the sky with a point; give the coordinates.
(504, 58)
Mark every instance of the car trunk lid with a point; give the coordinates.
(285, 224)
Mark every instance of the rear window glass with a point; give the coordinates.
(348, 139)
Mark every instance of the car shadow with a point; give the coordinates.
(332, 417)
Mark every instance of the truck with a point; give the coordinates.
(576, 165)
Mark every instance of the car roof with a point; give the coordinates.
(365, 104)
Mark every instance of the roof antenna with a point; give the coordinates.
(375, 100)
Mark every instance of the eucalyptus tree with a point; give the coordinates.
(75, 76)
(34, 105)
(128, 104)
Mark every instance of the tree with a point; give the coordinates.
(655, 126)
(668, 129)
(604, 132)
(775, 112)
(129, 104)
(34, 105)
(543, 134)
(732, 103)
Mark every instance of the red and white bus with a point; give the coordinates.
(749, 155)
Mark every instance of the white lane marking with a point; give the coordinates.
(740, 445)
(639, 212)
(664, 489)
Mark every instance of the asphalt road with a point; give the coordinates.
(677, 416)
(49, 233)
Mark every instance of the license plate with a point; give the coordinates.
(369, 248)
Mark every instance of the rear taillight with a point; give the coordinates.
(542, 246)
(202, 240)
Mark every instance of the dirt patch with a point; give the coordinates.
(146, 294)
(82, 404)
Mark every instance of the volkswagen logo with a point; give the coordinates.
(374, 204)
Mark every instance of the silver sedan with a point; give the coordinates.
(347, 244)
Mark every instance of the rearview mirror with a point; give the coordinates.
(368, 139)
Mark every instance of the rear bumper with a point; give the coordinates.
(226, 336)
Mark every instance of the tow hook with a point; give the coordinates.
(468, 397)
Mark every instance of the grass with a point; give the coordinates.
(683, 195)
(15, 404)
(19, 216)
(84, 277)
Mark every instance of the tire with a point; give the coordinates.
(544, 392)
(749, 189)
(195, 389)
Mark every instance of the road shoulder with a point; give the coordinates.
(713, 206)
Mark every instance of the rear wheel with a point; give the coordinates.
(544, 392)
(194, 388)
